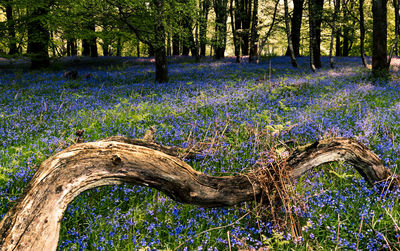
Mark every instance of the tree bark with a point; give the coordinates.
(289, 35)
(380, 67)
(296, 26)
(12, 44)
(33, 223)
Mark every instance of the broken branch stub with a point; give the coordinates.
(33, 223)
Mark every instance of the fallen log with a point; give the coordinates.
(33, 223)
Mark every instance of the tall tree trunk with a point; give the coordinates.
(289, 35)
(254, 33)
(220, 8)
(119, 46)
(93, 40)
(245, 14)
(38, 37)
(316, 9)
(312, 34)
(12, 44)
(205, 8)
(159, 46)
(85, 47)
(236, 40)
(175, 45)
(380, 67)
(346, 42)
(397, 24)
(338, 47)
(265, 39)
(335, 14)
(296, 26)
(362, 33)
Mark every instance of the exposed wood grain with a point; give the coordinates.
(34, 221)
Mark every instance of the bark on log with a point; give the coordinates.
(34, 221)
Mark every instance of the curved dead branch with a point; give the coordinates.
(34, 221)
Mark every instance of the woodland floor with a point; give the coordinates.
(240, 111)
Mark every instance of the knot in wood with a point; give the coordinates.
(116, 160)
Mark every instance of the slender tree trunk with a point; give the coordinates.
(338, 47)
(312, 34)
(159, 47)
(296, 26)
(265, 39)
(397, 24)
(119, 46)
(362, 33)
(12, 44)
(236, 40)
(289, 35)
(138, 49)
(335, 14)
(38, 37)
(254, 33)
(380, 67)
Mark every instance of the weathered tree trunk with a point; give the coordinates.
(253, 32)
(289, 35)
(12, 44)
(38, 37)
(33, 223)
(362, 33)
(380, 67)
(296, 26)
(159, 46)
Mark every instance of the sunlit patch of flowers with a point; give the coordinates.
(237, 110)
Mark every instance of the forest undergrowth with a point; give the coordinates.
(245, 116)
